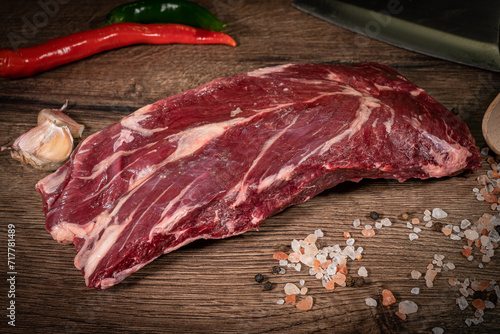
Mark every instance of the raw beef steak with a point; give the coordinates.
(217, 160)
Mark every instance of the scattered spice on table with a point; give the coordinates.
(329, 263)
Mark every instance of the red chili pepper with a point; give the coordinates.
(31, 60)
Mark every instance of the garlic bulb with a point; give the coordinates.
(59, 118)
(45, 147)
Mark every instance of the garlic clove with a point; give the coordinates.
(45, 147)
(59, 118)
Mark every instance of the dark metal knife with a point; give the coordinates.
(463, 31)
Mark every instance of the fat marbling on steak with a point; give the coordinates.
(217, 160)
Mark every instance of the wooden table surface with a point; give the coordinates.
(209, 286)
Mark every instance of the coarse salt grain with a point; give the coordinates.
(370, 302)
(437, 330)
(291, 289)
(386, 222)
(413, 236)
(415, 291)
(415, 274)
(311, 250)
(408, 307)
(428, 224)
(489, 304)
(362, 272)
(464, 224)
(417, 230)
(319, 233)
(280, 302)
(311, 239)
(356, 223)
(439, 213)
(462, 303)
(471, 235)
(378, 225)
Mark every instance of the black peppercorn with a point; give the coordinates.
(276, 270)
(349, 281)
(493, 298)
(480, 295)
(374, 215)
(359, 282)
(268, 286)
(259, 278)
(437, 227)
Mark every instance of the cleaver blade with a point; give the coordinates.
(463, 31)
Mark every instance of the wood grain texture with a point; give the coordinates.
(208, 286)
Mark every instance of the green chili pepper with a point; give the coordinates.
(162, 11)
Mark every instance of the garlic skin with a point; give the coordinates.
(45, 147)
(61, 119)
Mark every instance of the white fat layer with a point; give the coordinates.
(362, 114)
(417, 92)
(242, 194)
(133, 121)
(52, 183)
(66, 232)
(236, 112)
(193, 139)
(92, 256)
(268, 70)
(454, 159)
(390, 122)
(166, 222)
(105, 163)
(284, 174)
(126, 136)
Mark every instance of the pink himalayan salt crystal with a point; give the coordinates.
(294, 257)
(305, 304)
(368, 233)
(479, 285)
(430, 275)
(447, 231)
(402, 316)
